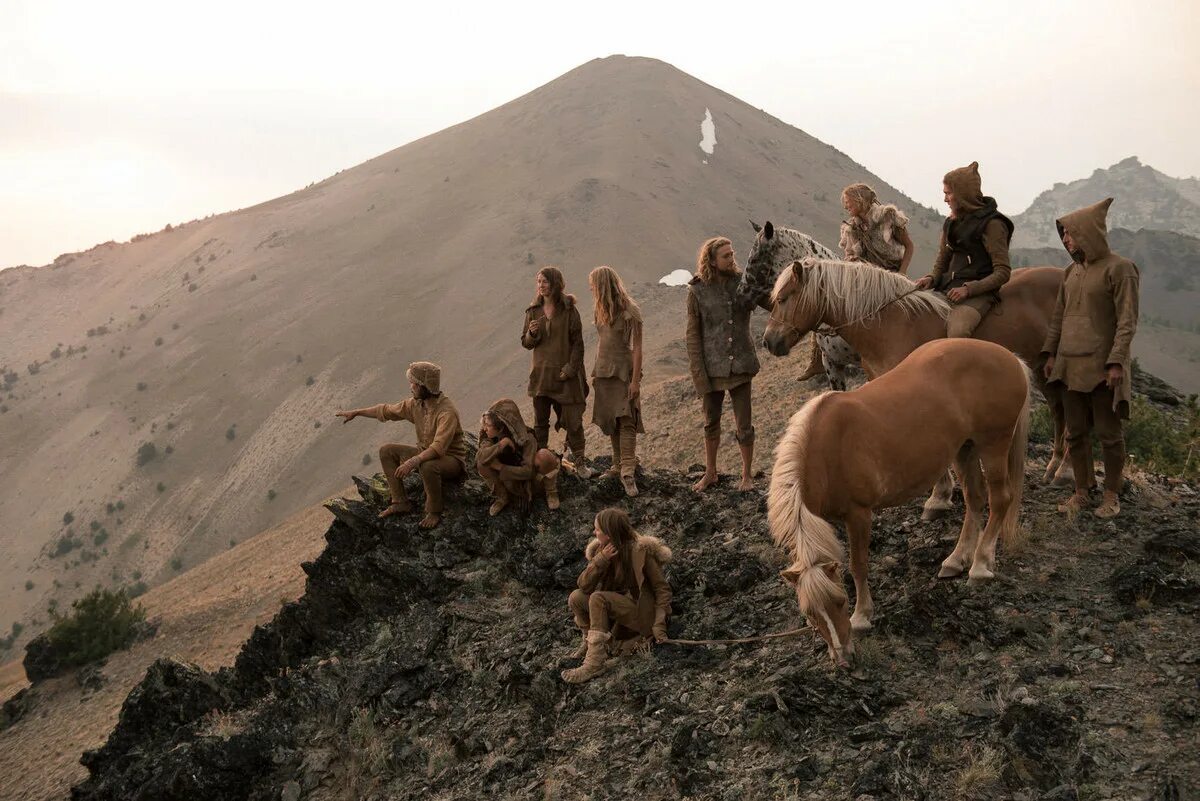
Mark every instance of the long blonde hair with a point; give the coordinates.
(706, 259)
(612, 299)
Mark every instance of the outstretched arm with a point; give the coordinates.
(909, 250)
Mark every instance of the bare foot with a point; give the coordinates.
(706, 481)
(395, 509)
(746, 484)
(1109, 507)
(430, 521)
(1073, 505)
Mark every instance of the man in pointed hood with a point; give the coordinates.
(440, 454)
(1088, 349)
(972, 260)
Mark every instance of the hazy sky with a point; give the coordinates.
(119, 117)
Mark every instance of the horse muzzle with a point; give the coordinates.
(776, 345)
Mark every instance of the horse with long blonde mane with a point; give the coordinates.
(846, 454)
(883, 317)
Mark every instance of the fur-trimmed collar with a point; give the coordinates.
(568, 301)
(645, 543)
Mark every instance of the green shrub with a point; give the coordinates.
(28, 585)
(146, 454)
(68, 519)
(176, 564)
(271, 495)
(308, 382)
(1041, 424)
(99, 623)
(161, 487)
(141, 386)
(230, 433)
(1159, 444)
(100, 538)
(64, 545)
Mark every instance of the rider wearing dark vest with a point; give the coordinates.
(972, 260)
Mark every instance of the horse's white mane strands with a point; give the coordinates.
(853, 290)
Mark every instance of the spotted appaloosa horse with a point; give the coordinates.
(846, 454)
(881, 340)
(836, 354)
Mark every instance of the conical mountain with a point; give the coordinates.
(227, 343)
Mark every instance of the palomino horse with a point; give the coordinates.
(845, 455)
(859, 302)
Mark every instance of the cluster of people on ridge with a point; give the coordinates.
(622, 592)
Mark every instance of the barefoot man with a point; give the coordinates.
(440, 454)
(721, 354)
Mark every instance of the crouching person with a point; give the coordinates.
(440, 454)
(622, 592)
(510, 462)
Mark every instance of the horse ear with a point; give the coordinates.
(798, 271)
(755, 226)
(791, 575)
(831, 570)
(768, 230)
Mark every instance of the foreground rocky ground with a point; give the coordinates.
(423, 665)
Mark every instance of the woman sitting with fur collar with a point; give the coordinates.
(510, 462)
(622, 592)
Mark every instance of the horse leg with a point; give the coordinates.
(939, 502)
(1000, 501)
(967, 465)
(858, 532)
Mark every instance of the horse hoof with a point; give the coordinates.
(950, 571)
(933, 514)
(980, 576)
(860, 623)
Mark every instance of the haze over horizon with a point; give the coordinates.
(119, 120)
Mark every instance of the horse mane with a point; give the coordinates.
(854, 290)
(810, 540)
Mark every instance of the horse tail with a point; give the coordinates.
(811, 541)
(1017, 450)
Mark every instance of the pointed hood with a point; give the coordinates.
(967, 187)
(427, 374)
(1089, 228)
(507, 412)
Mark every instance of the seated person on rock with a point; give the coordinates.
(510, 462)
(972, 261)
(440, 454)
(622, 593)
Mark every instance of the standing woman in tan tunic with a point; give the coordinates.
(1088, 346)
(554, 332)
(617, 375)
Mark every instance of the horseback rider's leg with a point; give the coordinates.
(816, 364)
(965, 317)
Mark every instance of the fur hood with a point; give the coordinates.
(569, 303)
(876, 237)
(645, 545)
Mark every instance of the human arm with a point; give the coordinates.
(1124, 282)
(662, 597)
(635, 344)
(597, 566)
(909, 249)
(574, 365)
(695, 347)
(382, 412)
(940, 261)
(995, 242)
(525, 470)
(1054, 331)
(531, 330)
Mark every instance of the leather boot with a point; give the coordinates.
(501, 501)
(593, 663)
(815, 366)
(615, 470)
(628, 456)
(550, 485)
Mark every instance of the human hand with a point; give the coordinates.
(1049, 368)
(608, 551)
(635, 389)
(660, 634)
(405, 469)
(533, 328)
(507, 443)
(1116, 374)
(958, 294)
(347, 416)
(925, 282)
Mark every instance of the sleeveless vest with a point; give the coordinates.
(725, 324)
(969, 259)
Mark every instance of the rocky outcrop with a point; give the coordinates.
(426, 664)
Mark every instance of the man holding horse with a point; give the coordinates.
(1088, 350)
(720, 353)
(972, 260)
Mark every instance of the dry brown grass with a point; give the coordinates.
(979, 775)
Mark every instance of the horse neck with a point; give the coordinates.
(887, 337)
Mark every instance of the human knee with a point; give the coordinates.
(430, 468)
(545, 461)
(578, 603)
(962, 322)
(597, 604)
(745, 436)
